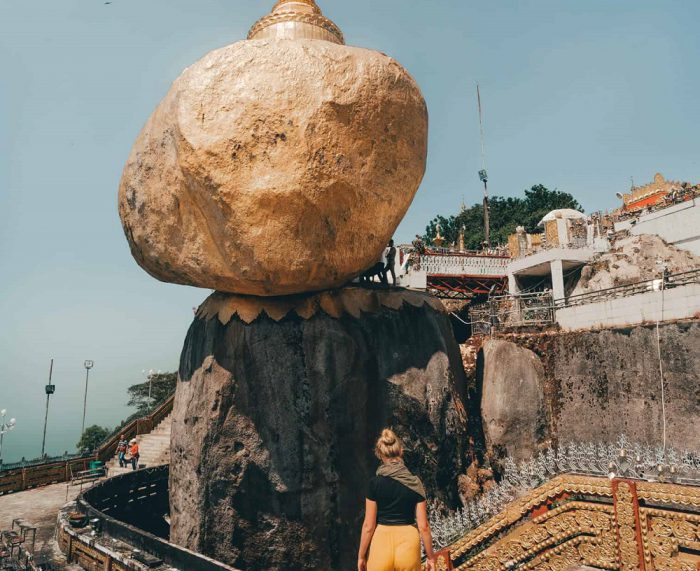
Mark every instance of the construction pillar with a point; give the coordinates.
(557, 269)
(513, 287)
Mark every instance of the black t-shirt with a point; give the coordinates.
(396, 504)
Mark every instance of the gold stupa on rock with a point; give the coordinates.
(296, 20)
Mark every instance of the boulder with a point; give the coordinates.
(512, 401)
(275, 419)
(275, 166)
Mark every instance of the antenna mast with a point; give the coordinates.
(483, 177)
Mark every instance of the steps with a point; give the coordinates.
(154, 448)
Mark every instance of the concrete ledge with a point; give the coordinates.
(678, 303)
(577, 255)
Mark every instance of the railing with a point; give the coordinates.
(41, 475)
(53, 471)
(667, 282)
(490, 253)
(137, 426)
(41, 461)
(523, 310)
(464, 264)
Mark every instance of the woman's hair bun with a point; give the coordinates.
(388, 445)
(388, 436)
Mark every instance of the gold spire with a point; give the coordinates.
(296, 19)
(438, 240)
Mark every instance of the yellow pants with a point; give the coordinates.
(394, 548)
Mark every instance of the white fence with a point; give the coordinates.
(464, 265)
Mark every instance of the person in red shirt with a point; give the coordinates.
(134, 453)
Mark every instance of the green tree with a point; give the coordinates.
(506, 213)
(162, 386)
(92, 437)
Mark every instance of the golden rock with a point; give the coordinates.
(276, 165)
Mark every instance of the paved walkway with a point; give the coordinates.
(40, 507)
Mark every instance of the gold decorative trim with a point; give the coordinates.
(351, 300)
(611, 532)
(519, 508)
(309, 13)
(626, 517)
(310, 3)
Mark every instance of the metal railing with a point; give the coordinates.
(45, 460)
(666, 282)
(531, 309)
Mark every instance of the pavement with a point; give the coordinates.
(40, 507)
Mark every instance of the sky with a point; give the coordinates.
(578, 96)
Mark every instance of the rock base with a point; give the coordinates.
(274, 423)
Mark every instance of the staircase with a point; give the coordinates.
(154, 448)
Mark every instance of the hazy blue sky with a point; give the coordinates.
(578, 95)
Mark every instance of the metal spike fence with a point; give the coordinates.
(620, 459)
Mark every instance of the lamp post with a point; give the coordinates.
(151, 373)
(88, 365)
(50, 389)
(5, 427)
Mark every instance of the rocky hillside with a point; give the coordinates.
(633, 259)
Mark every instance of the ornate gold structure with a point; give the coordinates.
(649, 194)
(349, 300)
(574, 521)
(296, 19)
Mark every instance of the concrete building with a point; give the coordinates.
(569, 241)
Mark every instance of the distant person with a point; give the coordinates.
(134, 453)
(396, 514)
(121, 451)
(390, 261)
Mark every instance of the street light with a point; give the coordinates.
(151, 373)
(88, 365)
(50, 389)
(5, 427)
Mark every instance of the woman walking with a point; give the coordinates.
(396, 515)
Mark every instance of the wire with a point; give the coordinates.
(661, 365)
(481, 128)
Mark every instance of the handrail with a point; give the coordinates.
(672, 280)
(137, 426)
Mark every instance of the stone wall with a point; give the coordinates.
(589, 386)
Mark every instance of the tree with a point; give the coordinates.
(92, 437)
(162, 386)
(506, 214)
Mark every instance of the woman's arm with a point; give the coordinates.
(424, 529)
(368, 527)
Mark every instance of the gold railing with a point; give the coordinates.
(19, 479)
(616, 524)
